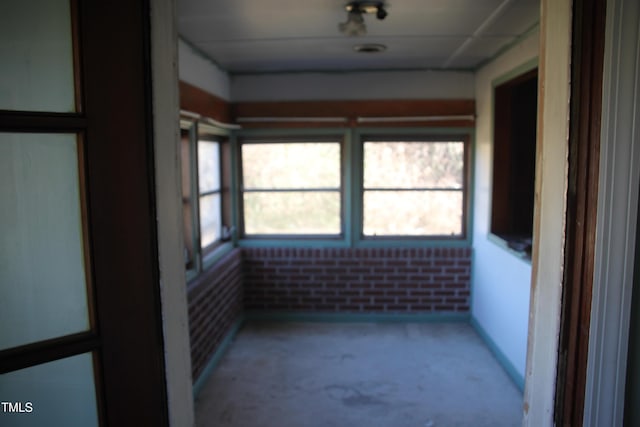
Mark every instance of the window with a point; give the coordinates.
(205, 192)
(414, 187)
(357, 188)
(209, 193)
(514, 161)
(291, 187)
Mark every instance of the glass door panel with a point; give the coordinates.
(59, 393)
(36, 53)
(43, 286)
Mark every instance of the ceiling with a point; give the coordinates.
(260, 36)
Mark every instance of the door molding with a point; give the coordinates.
(549, 212)
(582, 202)
(617, 217)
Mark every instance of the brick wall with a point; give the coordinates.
(215, 304)
(420, 280)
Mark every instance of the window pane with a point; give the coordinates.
(60, 393)
(36, 56)
(42, 273)
(413, 164)
(208, 166)
(292, 213)
(412, 213)
(210, 221)
(291, 165)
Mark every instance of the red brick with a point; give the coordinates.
(373, 293)
(444, 293)
(408, 270)
(421, 307)
(396, 293)
(324, 292)
(348, 278)
(325, 262)
(456, 285)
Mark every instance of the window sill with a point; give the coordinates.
(216, 254)
(208, 261)
(387, 242)
(303, 242)
(513, 245)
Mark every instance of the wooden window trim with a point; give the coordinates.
(502, 213)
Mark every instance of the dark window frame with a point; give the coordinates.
(513, 160)
(197, 130)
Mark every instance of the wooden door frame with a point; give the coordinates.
(582, 204)
(117, 97)
(116, 69)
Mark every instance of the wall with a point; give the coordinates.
(353, 86)
(164, 54)
(197, 70)
(347, 280)
(215, 305)
(550, 211)
(501, 280)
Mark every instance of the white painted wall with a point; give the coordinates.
(501, 280)
(549, 226)
(200, 71)
(173, 289)
(353, 86)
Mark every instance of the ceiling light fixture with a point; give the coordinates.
(355, 25)
(370, 48)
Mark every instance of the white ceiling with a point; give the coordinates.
(255, 36)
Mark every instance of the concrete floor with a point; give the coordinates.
(358, 375)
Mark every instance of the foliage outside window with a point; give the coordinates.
(413, 188)
(291, 187)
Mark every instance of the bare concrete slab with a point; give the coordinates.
(358, 375)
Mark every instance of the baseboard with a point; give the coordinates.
(217, 356)
(511, 371)
(355, 317)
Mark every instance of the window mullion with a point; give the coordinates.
(392, 189)
(195, 201)
(291, 190)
